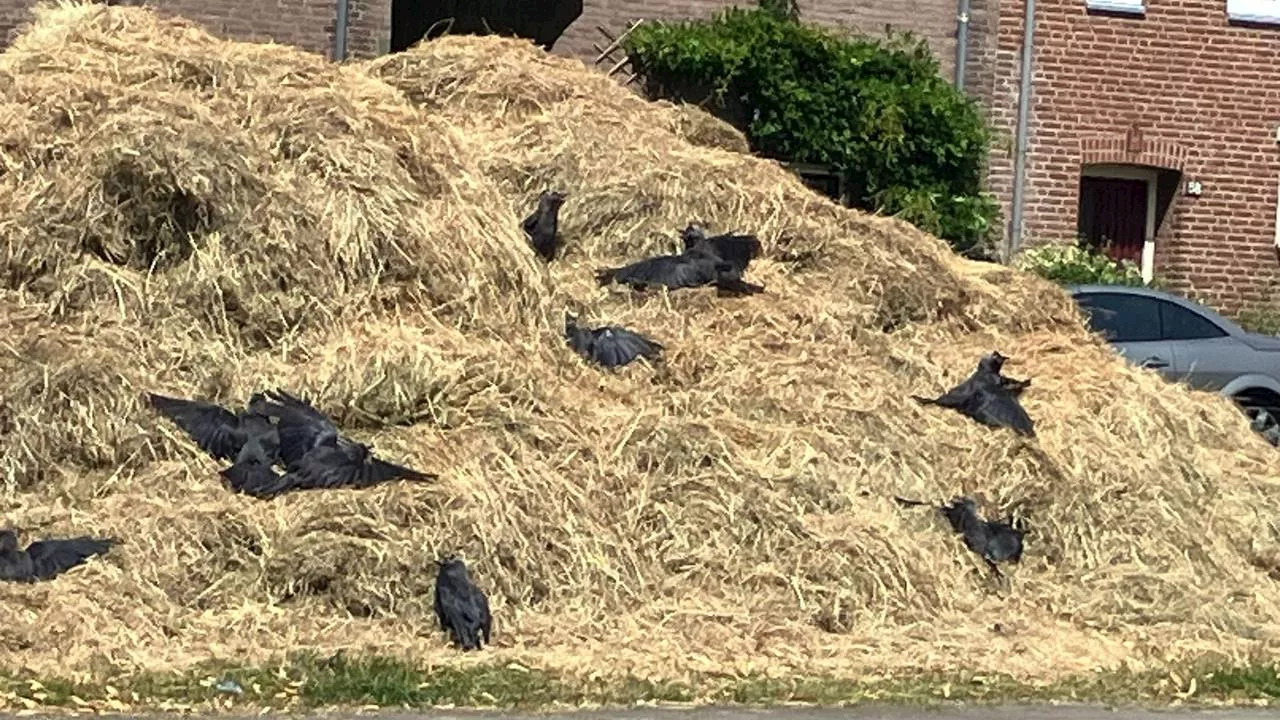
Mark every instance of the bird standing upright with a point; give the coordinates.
(543, 225)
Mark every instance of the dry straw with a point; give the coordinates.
(198, 217)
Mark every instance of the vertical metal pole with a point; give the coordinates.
(1024, 111)
(962, 44)
(340, 31)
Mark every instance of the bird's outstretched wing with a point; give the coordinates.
(50, 558)
(301, 426)
(1015, 387)
(996, 407)
(615, 346)
(214, 428)
(331, 467)
(737, 250)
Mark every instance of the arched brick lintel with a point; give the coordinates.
(1126, 149)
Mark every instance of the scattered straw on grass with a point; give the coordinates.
(199, 217)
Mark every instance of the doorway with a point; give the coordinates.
(1117, 213)
(542, 21)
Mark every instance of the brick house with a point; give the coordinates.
(1153, 126)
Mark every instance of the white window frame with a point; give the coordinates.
(1151, 176)
(1128, 7)
(1277, 229)
(1254, 11)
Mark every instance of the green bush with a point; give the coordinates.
(909, 143)
(1077, 265)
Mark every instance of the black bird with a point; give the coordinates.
(46, 559)
(994, 541)
(695, 267)
(611, 345)
(542, 225)
(316, 455)
(988, 397)
(220, 432)
(461, 608)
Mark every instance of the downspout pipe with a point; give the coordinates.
(962, 43)
(1024, 111)
(340, 31)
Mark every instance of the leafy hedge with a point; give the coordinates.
(1077, 265)
(909, 142)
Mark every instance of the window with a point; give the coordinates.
(1122, 318)
(1129, 7)
(1254, 11)
(1180, 323)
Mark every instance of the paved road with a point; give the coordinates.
(876, 712)
(866, 712)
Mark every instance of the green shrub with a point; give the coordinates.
(909, 143)
(1259, 320)
(1077, 265)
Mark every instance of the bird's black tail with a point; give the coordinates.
(924, 400)
(415, 476)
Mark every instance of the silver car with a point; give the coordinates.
(1186, 342)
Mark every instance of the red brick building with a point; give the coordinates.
(1153, 124)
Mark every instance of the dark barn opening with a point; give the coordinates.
(542, 21)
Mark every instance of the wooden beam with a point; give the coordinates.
(614, 43)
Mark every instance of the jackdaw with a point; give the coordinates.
(994, 541)
(988, 397)
(695, 267)
(542, 226)
(461, 608)
(46, 559)
(611, 345)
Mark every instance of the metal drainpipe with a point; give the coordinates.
(1024, 111)
(962, 43)
(340, 31)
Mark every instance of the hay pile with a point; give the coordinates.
(198, 217)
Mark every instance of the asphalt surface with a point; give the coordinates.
(872, 712)
(862, 712)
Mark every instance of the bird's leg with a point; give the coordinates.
(1001, 579)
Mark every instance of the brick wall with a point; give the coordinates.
(934, 20)
(1179, 86)
(307, 24)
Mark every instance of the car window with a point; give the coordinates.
(1180, 323)
(1121, 318)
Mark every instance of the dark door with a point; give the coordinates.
(1113, 216)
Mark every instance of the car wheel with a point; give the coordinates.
(1262, 420)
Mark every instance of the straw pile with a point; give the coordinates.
(199, 217)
